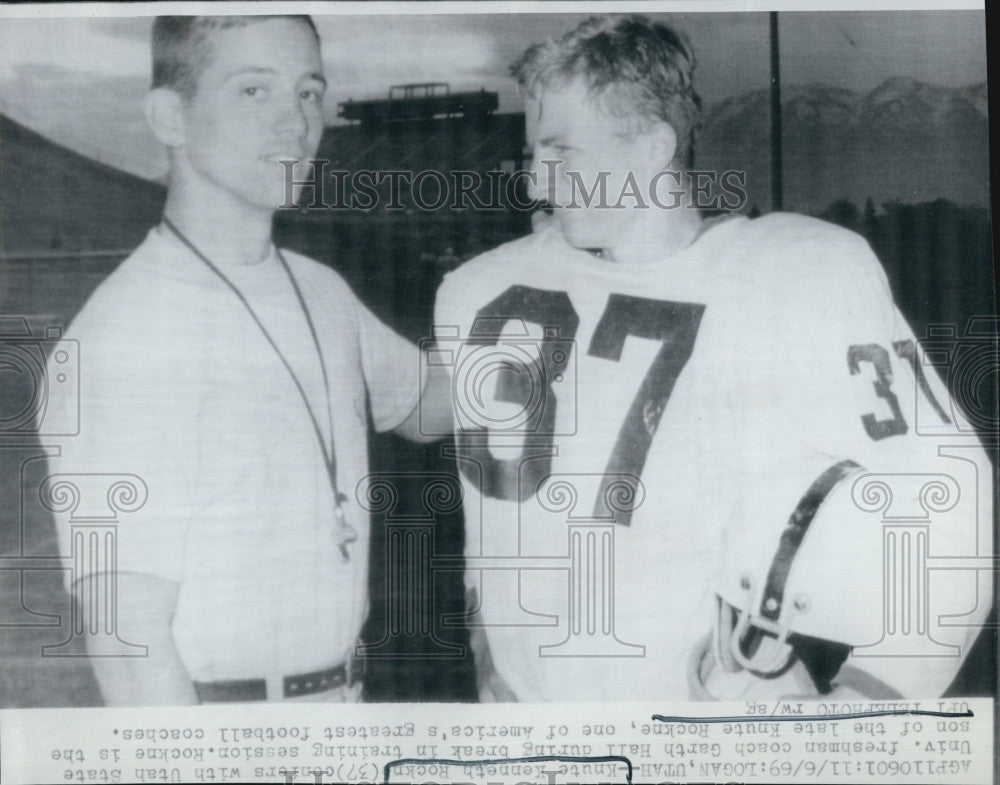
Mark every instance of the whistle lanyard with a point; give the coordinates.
(346, 532)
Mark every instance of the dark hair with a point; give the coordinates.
(181, 50)
(640, 70)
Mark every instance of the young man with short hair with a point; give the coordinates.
(234, 378)
(651, 408)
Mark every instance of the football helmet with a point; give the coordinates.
(790, 605)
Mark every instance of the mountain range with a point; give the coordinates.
(904, 141)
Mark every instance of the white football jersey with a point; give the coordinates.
(620, 427)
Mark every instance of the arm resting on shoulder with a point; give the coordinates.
(431, 419)
(146, 606)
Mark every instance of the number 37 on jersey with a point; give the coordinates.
(517, 368)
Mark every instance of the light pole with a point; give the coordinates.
(776, 188)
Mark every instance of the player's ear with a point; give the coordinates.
(663, 141)
(164, 110)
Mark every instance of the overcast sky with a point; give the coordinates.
(80, 81)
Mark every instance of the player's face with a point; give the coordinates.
(257, 102)
(589, 159)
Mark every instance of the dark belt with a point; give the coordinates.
(256, 689)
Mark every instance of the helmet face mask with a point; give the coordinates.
(749, 641)
(742, 660)
(714, 675)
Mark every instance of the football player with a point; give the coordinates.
(651, 408)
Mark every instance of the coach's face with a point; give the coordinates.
(583, 154)
(257, 102)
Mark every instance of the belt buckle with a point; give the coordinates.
(231, 690)
(318, 681)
